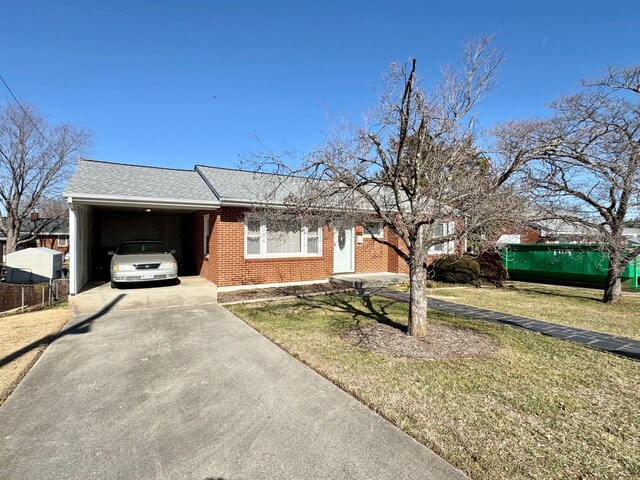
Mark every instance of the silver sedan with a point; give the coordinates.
(142, 261)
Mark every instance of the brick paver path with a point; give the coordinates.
(627, 347)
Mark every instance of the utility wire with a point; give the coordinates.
(26, 113)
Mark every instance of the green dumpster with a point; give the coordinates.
(564, 263)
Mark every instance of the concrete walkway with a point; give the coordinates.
(624, 346)
(368, 280)
(192, 393)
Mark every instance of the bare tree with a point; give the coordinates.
(414, 164)
(54, 208)
(35, 162)
(584, 163)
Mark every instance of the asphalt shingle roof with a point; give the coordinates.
(250, 187)
(258, 188)
(105, 180)
(52, 226)
(44, 226)
(205, 185)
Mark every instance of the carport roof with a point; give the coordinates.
(105, 181)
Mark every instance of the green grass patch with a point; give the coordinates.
(576, 307)
(541, 408)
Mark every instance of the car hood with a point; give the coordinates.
(143, 258)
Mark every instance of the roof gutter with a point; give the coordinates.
(157, 202)
(232, 202)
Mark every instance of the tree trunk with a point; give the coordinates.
(12, 240)
(417, 299)
(613, 286)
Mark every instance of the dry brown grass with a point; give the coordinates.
(576, 307)
(20, 331)
(442, 343)
(539, 408)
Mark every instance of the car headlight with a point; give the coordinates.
(169, 265)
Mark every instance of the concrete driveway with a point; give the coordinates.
(192, 393)
(192, 290)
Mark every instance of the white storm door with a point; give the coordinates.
(343, 249)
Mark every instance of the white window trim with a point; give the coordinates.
(64, 238)
(263, 241)
(205, 231)
(447, 247)
(368, 235)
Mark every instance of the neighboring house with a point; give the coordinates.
(559, 231)
(549, 231)
(212, 217)
(633, 234)
(51, 233)
(529, 234)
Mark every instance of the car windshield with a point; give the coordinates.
(134, 248)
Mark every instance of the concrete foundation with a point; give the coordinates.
(368, 280)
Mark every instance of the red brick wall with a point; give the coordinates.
(527, 234)
(226, 265)
(52, 243)
(399, 265)
(396, 263)
(530, 235)
(372, 256)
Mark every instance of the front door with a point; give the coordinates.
(343, 238)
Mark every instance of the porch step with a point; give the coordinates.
(368, 280)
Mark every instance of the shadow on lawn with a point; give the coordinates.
(83, 326)
(345, 303)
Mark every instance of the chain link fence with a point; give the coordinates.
(16, 298)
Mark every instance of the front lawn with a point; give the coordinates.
(539, 408)
(23, 338)
(576, 307)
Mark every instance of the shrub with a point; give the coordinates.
(491, 268)
(455, 269)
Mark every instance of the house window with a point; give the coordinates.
(207, 235)
(284, 237)
(266, 238)
(63, 241)
(442, 229)
(313, 232)
(373, 229)
(253, 236)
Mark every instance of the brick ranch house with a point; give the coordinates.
(211, 217)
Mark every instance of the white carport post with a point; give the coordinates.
(80, 249)
(73, 248)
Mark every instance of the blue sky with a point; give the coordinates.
(142, 74)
